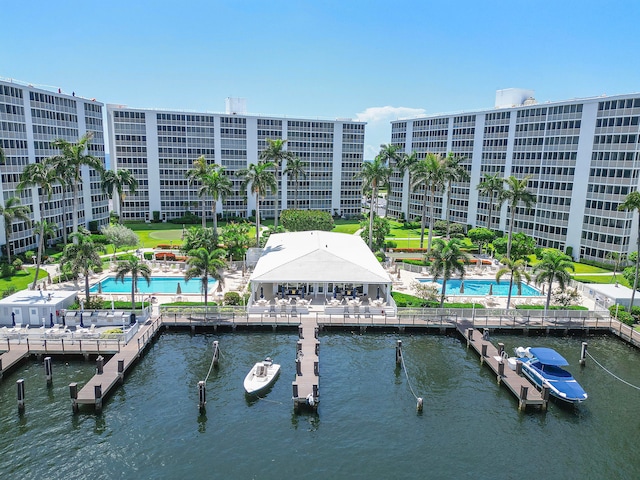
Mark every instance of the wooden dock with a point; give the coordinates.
(307, 381)
(13, 357)
(526, 393)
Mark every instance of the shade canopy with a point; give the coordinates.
(548, 356)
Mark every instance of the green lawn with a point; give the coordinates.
(602, 279)
(21, 280)
(582, 268)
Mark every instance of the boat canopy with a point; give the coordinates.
(548, 356)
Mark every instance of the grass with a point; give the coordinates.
(582, 268)
(21, 280)
(602, 279)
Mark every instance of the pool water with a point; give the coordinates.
(482, 287)
(157, 285)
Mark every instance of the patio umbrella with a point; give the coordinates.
(51, 319)
(378, 296)
(81, 322)
(282, 291)
(304, 287)
(261, 293)
(335, 291)
(491, 289)
(100, 288)
(178, 289)
(462, 286)
(13, 319)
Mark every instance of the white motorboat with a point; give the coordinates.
(261, 376)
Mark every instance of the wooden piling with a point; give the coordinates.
(20, 385)
(100, 365)
(483, 352)
(583, 354)
(398, 352)
(97, 391)
(121, 370)
(500, 370)
(202, 394)
(216, 353)
(524, 391)
(500, 348)
(73, 392)
(0, 368)
(48, 371)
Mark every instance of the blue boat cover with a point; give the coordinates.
(548, 356)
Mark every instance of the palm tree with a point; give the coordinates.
(516, 271)
(11, 212)
(429, 173)
(218, 185)
(259, 179)
(3, 157)
(276, 155)
(200, 170)
(374, 175)
(296, 169)
(81, 256)
(390, 155)
(45, 229)
(71, 159)
(453, 172)
(632, 202)
(405, 165)
(447, 261)
(137, 269)
(554, 266)
(115, 182)
(492, 186)
(516, 193)
(617, 259)
(204, 264)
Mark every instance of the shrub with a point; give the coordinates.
(17, 264)
(301, 220)
(148, 255)
(156, 216)
(231, 298)
(8, 291)
(6, 270)
(391, 244)
(168, 256)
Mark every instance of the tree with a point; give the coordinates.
(447, 261)
(454, 171)
(381, 228)
(428, 173)
(218, 185)
(515, 193)
(275, 154)
(115, 182)
(204, 264)
(553, 266)
(296, 169)
(521, 245)
(632, 203)
(516, 271)
(481, 236)
(235, 237)
(374, 175)
(3, 157)
(71, 159)
(81, 256)
(492, 186)
(120, 236)
(45, 229)
(617, 259)
(259, 179)
(302, 220)
(196, 175)
(391, 155)
(405, 165)
(137, 269)
(11, 212)
(198, 237)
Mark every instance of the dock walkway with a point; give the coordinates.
(524, 391)
(306, 383)
(13, 357)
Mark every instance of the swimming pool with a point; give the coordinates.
(481, 287)
(157, 285)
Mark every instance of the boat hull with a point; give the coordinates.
(261, 377)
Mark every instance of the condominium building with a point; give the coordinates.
(30, 119)
(159, 148)
(582, 157)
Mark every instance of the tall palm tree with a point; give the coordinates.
(296, 169)
(276, 155)
(81, 256)
(259, 179)
(196, 175)
(447, 261)
(72, 158)
(454, 171)
(428, 173)
(218, 185)
(516, 271)
(115, 182)
(3, 157)
(632, 202)
(492, 186)
(405, 165)
(374, 175)
(515, 193)
(137, 269)
(45, 229)
(204, 264)
(11, 212)
(391, 155)
(553, 266)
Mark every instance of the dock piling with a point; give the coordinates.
(0, 369)
(398, 352)
(100, 365)
(202, 395)
(300, 335)
(500, 348)
(500, 370)
(97, 390)
(545, 395)
(524, 391)
(519, 367)
(121, 370)
(419, 405)
(483, 353)
(583, 354)
(216, 353)
(48, 371)
(20, 385)
(73, 392)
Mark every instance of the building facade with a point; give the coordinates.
(159, 148)
(30, 119)
(582, 157)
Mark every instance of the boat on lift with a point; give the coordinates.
(543, 366)
(261, 376)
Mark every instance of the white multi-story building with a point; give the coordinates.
(582, 156)
(159, 148)
(30, 119)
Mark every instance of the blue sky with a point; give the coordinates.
(369, 60)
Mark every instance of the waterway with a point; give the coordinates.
(367, 425)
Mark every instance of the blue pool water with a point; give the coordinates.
(481, 287)
(157, 285)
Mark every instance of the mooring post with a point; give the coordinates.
(500, 370)
(97, 390)
(583, 354)
(315, 332)
(314, 389)
(295, 390)
(518, 367)
(524, 391)
(500, 348)
(398, 352)
(202, 394)
(73, 392)
(48, 371)
(0, 368)
(20, 384)
(483, 352)
(419, 405)
(216, 353)
(469, 336)
(99, 364)
(298, 367)
(545, 395)
(317, 348)
(120, 370)
(300, 335)
(316, 370)
(298, 347)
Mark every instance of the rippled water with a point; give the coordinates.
(367, 426)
